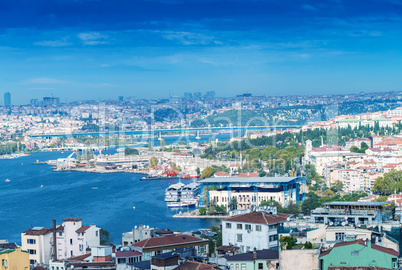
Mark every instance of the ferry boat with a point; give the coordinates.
(39, 162)
(189, 204)
(173, 192)
(168, 174)
(189, 192)
(189, 176)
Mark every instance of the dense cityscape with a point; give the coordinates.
(316, 184)
(200, 135)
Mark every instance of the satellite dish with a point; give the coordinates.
(331, 223)
(248, 231)
(343, 223)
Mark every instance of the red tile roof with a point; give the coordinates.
(252, 174)
(72, 219)
(78, 258)
(126, 254)
(168, 240)
(42, 231)
(221, 174)
(60, 229)
(259, 218)
(82, 229)
(190, 265)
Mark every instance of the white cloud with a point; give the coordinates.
(188, 38)
(53, 43)
(93, 38)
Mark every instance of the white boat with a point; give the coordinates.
(188, 204)
(173, 192)
(7, 180)
(189, 192)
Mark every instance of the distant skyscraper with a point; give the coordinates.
(34, 102)
(121, 98)
(210, 94)
(51, 101)
(197, 94)
(188, 95)
(7, 99)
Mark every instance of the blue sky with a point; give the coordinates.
(98, 49)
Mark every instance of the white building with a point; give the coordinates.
(252, 230)
(73, 239)
(245, 196)
(139, 233)
(38, 242)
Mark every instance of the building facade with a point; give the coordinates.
(254, 230)
(73, 239)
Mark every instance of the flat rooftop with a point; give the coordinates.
(358, 203)
(246, 180)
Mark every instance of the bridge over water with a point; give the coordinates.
(163, 131)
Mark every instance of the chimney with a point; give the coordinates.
(54, 240)
(255, 254)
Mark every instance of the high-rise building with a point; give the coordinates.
(34, 102)
(7, 99)
(197, 94)
(210, 94)
(121, 98)
(51, 101)
(188, 95)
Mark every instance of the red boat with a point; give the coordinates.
(188, 176)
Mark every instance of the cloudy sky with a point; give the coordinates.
(99, 49)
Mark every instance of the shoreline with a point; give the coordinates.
(210, 217)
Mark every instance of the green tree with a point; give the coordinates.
(153, 162)
(131, 151)
(207, 172)
(336, 186)
(202, 211)
(105, 238)
(388, 183)
(162, 143)
(197, 170)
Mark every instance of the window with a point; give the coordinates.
(243, 266)
(340, 236)
(202, 249)
(237, 266)
(60, 234)
(260, 266)
(239, 237)
(354, 253)
(239, 226)
(121, 260)
(31, 241)
(271, 227)
(81, 247)
(4, 263)
(228, 225)
(248, 227)
(32, 251)
(258, 228)
(32, 261)
(96, 233)
(71, 252)
(71, 241)
(273, 238)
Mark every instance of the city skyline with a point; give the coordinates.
(149, 49)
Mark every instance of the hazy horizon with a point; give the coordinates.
(88, 49)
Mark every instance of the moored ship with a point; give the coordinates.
(173, 192)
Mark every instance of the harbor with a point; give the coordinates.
(77, 194)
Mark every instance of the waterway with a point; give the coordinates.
(114, 201)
